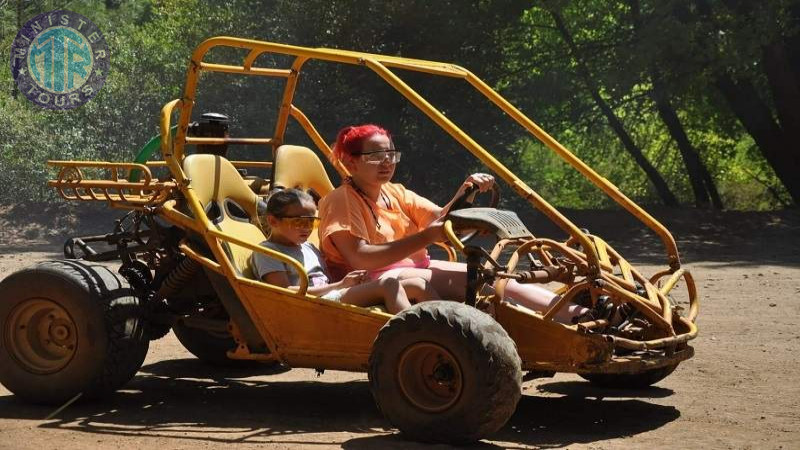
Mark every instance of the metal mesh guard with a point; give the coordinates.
(505, 224)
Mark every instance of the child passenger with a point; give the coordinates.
(292, 214)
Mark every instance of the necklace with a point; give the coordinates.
(363, 196)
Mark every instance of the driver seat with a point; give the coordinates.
(229, 203)
(300, 168)
(297, 167)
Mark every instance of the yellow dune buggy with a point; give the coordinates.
(442, 371)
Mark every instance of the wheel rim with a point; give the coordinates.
(429, 377)
(41, 336)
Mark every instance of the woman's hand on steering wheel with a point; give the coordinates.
(465, 197)
(472, 186)
(482, 181)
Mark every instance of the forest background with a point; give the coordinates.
(678, 102)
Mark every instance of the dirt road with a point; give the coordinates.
(740, 391)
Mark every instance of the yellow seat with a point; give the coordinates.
(297, 167)
(300, 168)
(229, 203)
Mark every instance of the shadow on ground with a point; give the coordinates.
(230, 406)
(577, 389)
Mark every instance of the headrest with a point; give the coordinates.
(214, 178)
(299, 167)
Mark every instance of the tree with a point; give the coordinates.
(774, 124)
(467, 33)
(703, 187)
(664, 192)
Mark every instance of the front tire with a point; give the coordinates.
(68, 328)
(445, 372)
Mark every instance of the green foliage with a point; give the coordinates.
(510, 44)
(686, 50)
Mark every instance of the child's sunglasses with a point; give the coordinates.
(301, 221)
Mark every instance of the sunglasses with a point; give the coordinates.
(301, 221)
(377, 157)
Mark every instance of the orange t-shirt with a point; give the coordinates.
(345, 209)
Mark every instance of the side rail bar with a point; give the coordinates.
(381, 64)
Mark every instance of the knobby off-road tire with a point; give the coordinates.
(68, 328)
(629, 380)
(445, 372)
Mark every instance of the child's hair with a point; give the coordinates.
(350, 139)
(280, 201)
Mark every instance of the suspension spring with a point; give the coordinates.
(177, 279)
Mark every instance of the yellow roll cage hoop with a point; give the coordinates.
(382, 65)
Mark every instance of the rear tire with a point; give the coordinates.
(445, 372)
(629, 380)
(68, 328)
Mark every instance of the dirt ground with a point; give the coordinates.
(740, 391)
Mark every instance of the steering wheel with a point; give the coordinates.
(462, 202)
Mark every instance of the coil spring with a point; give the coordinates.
(177, 279)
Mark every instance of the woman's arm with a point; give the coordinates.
(361, 255)
(482, 181)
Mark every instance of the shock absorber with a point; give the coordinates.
(177, 279)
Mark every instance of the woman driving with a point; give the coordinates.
(373, 224)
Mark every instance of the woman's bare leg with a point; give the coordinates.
(539, 299)
(385, 290)
(450, 280)
(446, 280)
(418, 288)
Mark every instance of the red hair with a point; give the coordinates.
(351, 139)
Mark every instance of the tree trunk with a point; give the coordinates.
(783, 83)
(702, 183)
(700, 179)
(775, 140)
(756, 118)
(663, 190)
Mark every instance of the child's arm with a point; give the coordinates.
(279, 278)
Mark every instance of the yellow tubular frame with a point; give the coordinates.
(597, 254)
(381, 65)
